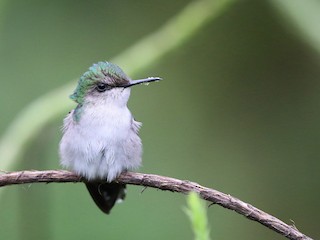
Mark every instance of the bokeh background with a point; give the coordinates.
(238, 111)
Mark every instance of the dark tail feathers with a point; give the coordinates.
(105, 194)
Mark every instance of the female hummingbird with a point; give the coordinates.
(100, 136)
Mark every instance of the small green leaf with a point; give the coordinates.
(197, 214)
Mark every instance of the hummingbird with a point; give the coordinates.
(100, 136)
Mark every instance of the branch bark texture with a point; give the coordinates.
(164, 183)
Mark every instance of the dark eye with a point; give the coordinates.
(101, 87)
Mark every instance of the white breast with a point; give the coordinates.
(102, 144)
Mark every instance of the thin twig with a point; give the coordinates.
(164, 183)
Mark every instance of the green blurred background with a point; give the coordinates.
(238, 111)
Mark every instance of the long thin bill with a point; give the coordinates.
(141, 81)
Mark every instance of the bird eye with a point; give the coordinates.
(101, 87)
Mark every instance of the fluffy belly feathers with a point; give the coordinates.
(98, 148)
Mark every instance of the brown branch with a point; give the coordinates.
(164, 183)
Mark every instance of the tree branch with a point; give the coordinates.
(164, 183)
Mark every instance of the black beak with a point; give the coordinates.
(140, 81)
